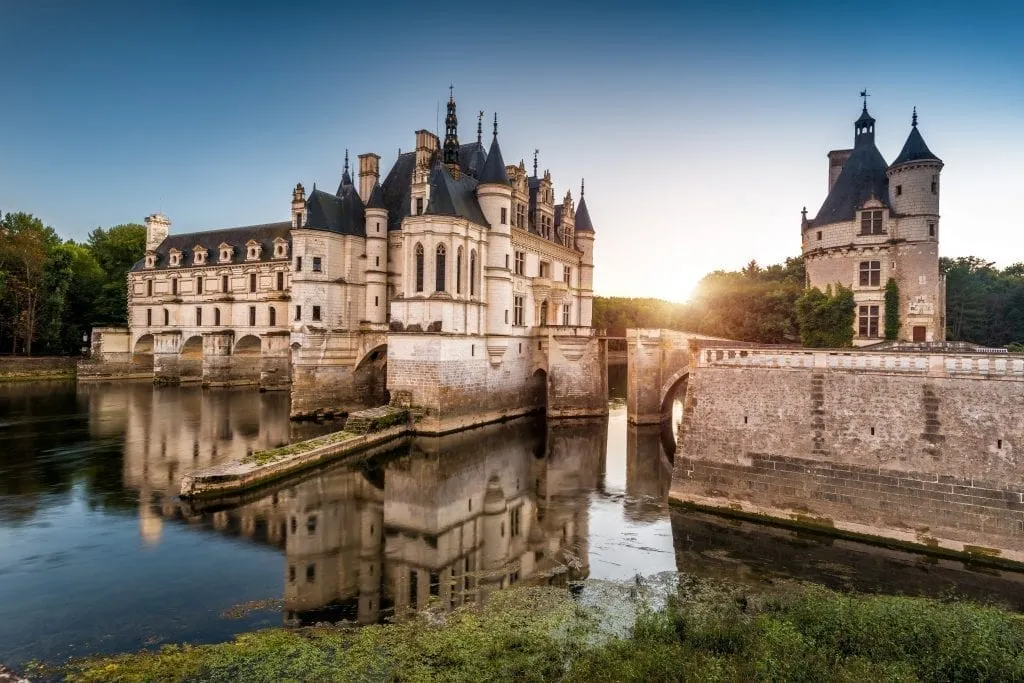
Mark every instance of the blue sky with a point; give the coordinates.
(701, 128)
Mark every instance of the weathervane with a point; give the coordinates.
(864, 93)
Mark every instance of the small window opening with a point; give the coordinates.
(819, 235)
(872, 431)
(999, 444)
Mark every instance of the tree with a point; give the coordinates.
(892, 309)
(115, 250)
(826, 319)
(25, 245)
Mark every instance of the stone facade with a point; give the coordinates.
(880, 222)
(917, 447)
(457, 281)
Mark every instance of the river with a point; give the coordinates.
(98, 555)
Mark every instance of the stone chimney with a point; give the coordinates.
(836, 159)
(426, 145)
(299, 206)
(157, 228)
(369, 175)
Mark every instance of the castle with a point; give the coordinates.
(879, 222)
(458, 284)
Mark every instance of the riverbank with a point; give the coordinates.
(701, 630)
(34, 368)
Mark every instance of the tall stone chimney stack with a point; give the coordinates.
(158, 226)
(836, 159)
(369, 175)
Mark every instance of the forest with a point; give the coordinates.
(52, 290)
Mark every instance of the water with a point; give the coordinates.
(98, 555)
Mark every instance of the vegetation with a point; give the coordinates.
(892, 309)
(826, 318)
(52, 291)
(984, 305)
(275, 454)
(705, 631)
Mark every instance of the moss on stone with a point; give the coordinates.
(275, 454)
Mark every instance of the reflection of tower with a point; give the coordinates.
(648, 473)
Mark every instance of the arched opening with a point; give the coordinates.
(142, 354)
(672, 410)
(472, 272)
(419, 267)
(248, 345)
(439, 269)
(370, 377)
(191, 359)
(245, 362)
(458, 271)
(539, 389)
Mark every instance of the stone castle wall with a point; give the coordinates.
(917, 447)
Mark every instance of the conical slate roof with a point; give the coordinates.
(583, 223)
(376, 200)
(915, 149)
(493, 172)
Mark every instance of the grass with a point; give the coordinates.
(704, 631)
(275, 454)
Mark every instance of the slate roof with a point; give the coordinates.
(376, 200)
(472, 158)
(397, 189)
(454, 196)
(583, 223)
(344, 214)
(264, 233)
(493, 171)
(915, 149)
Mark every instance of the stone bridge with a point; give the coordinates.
(658, 363)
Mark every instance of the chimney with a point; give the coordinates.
(427, 145)
(157, 228)
(299, 206)
(369, 174)
(836, 159)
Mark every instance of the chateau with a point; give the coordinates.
(879, 222)
(458, 284)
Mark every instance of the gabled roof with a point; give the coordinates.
(863, 177)
(344, 214)
(493, 172)
(454, 197)
(915, 149)
(583, 223)
(187, 242)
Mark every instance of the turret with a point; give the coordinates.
(451, 138)
(376, 256)
(158, 226)
(369, 175)
(495, 196)
(298, 206)
(585, 243)
(914, 187)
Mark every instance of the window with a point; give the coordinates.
(175, 257)
(149, 288)
(167, 317)
(439, 267)
(376, 301)
(174, 285)
(199, 256)
(225, 254)
(566, 315)
(517, 310)
(252, 316)
(413, 587)
(280, 280)
(472, 272)
(419, 267)
(376, 261)
(199, 284)
(520, 263)
(149, 316)
(870, 273)
(868, 321)
(298, 264)
(871, 222)
(819, 235)
(378, 226)
(458, 271)
(316, 313)
(310, 573)
(515, 520)
(199, 317)
(298, 312)
(224, 283)
(419, 205)
(899, 190)
(504, 215)
(252, 282)
(544, 270)
(931, 230)
(543, 315)
(317, 264)
(935, 184)
(520, 215)
(216, 317)
(567, 275)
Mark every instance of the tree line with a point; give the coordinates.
(52, 291)
(770, 305)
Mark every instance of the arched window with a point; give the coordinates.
(472, 272)
(458, 271)
(439, 269)
(419, 267)
(273, 316)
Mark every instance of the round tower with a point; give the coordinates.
(376, 257)
(914, 188)
(495, 196)
(495, 535)
(585, 243)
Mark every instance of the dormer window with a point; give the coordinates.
(199, 255)
(226, 252)
(253, 249)
(175, 258)
(280, 248)
(151, 260)
(871, 222)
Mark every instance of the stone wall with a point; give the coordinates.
(338, 372)
(577, 373)
(110, 357)
(925, 448)
(36, 367)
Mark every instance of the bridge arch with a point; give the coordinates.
(249, 345)
(191, 359)
(142, 354)
(370, 376)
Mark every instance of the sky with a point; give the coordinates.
(701, 128)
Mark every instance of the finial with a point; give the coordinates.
(495, 124)
(865, 95)
(581, 187)
(535, 153)
(479, 126)
(913, 119)
(346, 160)
(451, 93)
(803, 212)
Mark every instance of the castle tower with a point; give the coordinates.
(376, 255)
(585, 243)
(158, 226)
(914, 192)
(298, 206)
(495, 196)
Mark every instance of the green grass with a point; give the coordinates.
(704, 631)
(273, 455)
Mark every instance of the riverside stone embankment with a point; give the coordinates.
(23, 368)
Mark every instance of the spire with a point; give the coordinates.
(582, 181)
(346, 179)
(535, 153)
(914, 149)
(494, 172)
(913, 119)
(583, 223)
(480, 126)
(451, 135)
(495, 124)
